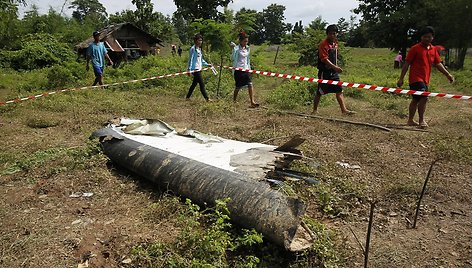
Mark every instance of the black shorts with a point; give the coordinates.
(326, 88)
(242, 79)
(418, 86)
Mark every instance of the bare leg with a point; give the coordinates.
(421, 109)
(251, 96)
(316, 102)
(235, 94)
(412, 112)
(342, 104)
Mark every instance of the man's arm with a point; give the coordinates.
(406, 65)
(331, 65)
(109, 59)
(443, 70)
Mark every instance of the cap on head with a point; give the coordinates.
(96, 33)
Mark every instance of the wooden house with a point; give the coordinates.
(124, 41)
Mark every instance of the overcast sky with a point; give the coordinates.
(305, 10)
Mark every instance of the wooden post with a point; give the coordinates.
(422, 192)
(219, 77)
(369, 231)
(277, 53)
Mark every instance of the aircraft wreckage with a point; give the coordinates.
(205, 168)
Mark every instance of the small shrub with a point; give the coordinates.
(60, 77)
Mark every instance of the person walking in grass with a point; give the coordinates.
(328, 69)
(97, 53)
(419, 60)
(195, 63)
(241, 59)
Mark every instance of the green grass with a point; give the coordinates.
(206, 237)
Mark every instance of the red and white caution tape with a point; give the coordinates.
(100, 86)
(354, 85)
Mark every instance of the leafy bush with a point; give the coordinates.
(39, 51)
(206, 237)
(59, 77)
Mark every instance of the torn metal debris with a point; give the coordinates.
(206, 168)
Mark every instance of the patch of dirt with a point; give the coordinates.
(42, 226)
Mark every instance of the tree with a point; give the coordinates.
(123, 16)
(318, 24)
(343, 27)
(273, 22)
(181, 26)
(453, 29)
(394, 23)
(92, 10)
(144, 13)
(9, 22)
(6, 5)
(200, 9)
(245, 20)
(298, 28)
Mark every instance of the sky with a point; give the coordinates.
(305, 10)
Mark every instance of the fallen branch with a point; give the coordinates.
(406, 128)
(357, 239)
(338, 120)
(422, 192)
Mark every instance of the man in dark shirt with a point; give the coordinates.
(329, 70)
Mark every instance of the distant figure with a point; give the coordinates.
(179, 51)
(329, 70)
(421, 57)
(173, 50)
(196, 63)
(97, 53)
(158, 51)
(241, 59)
(398, 61)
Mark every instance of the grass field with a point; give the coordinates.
(47, 155)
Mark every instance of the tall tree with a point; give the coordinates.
(318, 24)
(273, 21)
(245, 20)
(9, 22)
(200, 9)
(455, 28)
(92, 10)
(343, 27)
(394, 23)
(180, 26)
(144, 13)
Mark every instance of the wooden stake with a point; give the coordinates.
(369, 231)
(422, 192)
(277, 53)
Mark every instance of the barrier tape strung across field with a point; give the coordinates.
(99, 86)
(354, 85)
(271, 74)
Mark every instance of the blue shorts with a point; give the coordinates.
(418, 86)
(98, 71)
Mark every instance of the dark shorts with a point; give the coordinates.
(325, 88)
(418, 86)
(98, 71)
(242, 79)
